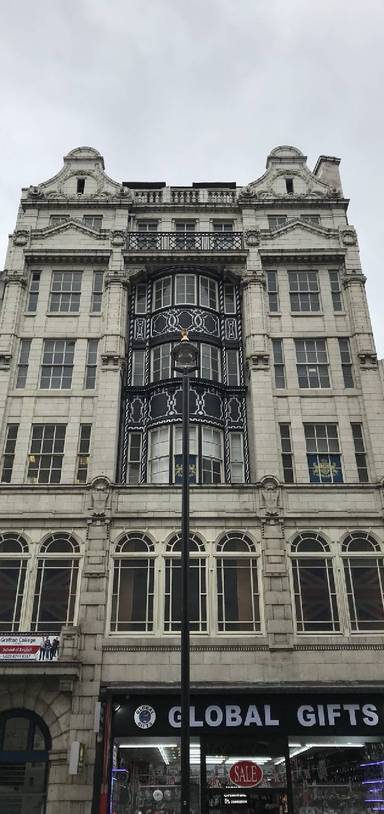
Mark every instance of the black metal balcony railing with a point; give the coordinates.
(188, 242)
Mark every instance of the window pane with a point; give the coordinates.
(12, 579)
(197, 596)
(138, 368)
(16, 732)
(229, 299)
(133, 595)
(141, 299)
(314, 588)
(208, 292)
(185, 289)
(364, 580)
(53, 603)
(238, 596)
(65, 291)
(272, 290)
(33, 293)
(158, 456)
(233, 373)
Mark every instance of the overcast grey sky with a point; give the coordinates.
(184, 90)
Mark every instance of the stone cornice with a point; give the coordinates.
(329, 255)
(68, 255)
(57, 204)
(206, 647)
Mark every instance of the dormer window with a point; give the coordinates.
(289, 185)
(93, 221)
(56, 220)
(80, 186)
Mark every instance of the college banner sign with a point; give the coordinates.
(28, 648)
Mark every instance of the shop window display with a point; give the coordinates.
(146, 776)
(258, 754)
(337, 776)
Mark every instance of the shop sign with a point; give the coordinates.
(27, 648)
(246, 773)
(335, 714)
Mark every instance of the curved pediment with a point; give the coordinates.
(288, 177)
(81, 179)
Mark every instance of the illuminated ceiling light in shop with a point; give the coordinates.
(163, 755)
(148, 745)
(307, 746)
(260, 760)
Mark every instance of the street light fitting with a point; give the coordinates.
(185, 355)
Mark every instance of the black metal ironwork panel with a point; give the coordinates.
(195, 320)
(185, 241)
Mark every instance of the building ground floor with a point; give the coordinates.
(302, 750)
(297, 749)
(253, 750)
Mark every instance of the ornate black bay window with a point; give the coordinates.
(208, 307)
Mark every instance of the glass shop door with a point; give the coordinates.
(244, 776)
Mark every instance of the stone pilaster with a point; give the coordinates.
(263, 446)
(107, 419)
(92, 617)
(276, 588)
(10, 315)
(372, 393)
(10, 311)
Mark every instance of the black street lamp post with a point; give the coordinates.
(185, 361)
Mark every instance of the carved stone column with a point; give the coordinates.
(354, 285)
(107, 419)
(371, 385)
(10, 314)
(92, 621)
(277, 594)
(9, 319)
(260, 407)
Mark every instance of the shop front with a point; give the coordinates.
(250, 753)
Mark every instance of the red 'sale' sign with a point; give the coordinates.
(246, 773)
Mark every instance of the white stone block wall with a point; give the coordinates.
(66, 702)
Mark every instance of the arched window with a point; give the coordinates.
(24, 746)
(13, 566)
(238, 595)
(197, 586)
(314, 585)
(55, 592)
(364, 579)
(133, 584)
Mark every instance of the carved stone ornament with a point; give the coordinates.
(368, 359)
(247, 195)
(20, 237)
(5, 360)
(258, 361)
(252, 277)
(124, 192)
(112, 360)
(252, 237)
(270, 495)
(14, 278)
(348, 236)
(35, 192)
(118, 238)
(266, 195)
(100, 489)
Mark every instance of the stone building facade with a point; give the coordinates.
(286, 470)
